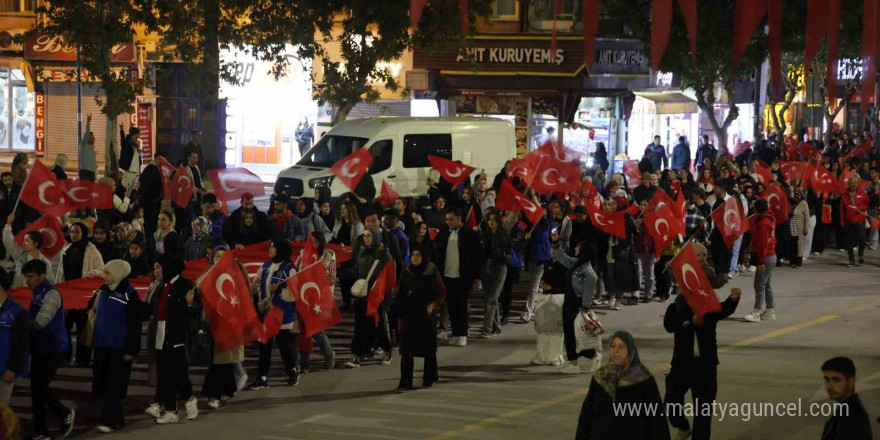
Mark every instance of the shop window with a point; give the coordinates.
(381, 156)
(18, 5)
(417, 148)
(505, 10)
(541, 15)
(17, 109)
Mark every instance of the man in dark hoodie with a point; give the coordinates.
(840, 383)
(695, 354)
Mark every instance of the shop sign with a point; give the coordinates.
(512, 55)
(507, 54)
(45, 47)
(620, 57)
(849, 69)
(40, 122)
(144, 123)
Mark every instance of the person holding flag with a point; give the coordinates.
(317, 252)
(764, 248)
(29, 250)
(853, 205)
(497, 247)
(618, 255)
(695, 352)
(369, 261)
(419, 293)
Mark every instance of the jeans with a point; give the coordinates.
(763, 289)
(493, 282)
(323, 343)
(810, 234)
(855, 237)
(734, 260)
(646, 267)
(535, 287)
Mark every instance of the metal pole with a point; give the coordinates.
(78, 96)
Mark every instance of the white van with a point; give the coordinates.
(400, 148)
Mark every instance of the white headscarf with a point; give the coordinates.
(120, 269)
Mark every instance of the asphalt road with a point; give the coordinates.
(491, 392)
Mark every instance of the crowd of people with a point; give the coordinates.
(445, 245)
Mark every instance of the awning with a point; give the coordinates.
(670, 102)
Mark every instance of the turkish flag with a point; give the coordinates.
(553, 175)
(232, 183)
(53, 236)
(765, 176)
(228, 304)
(387, 195)
(860, 149)
(314, 299)
(680, 205)
(809, 151)
(85, 194)
(509, 199)
(165, 168)
(741, 148)
(793, 170)
(309, 254)
(387, 279)
(592, 192)
(523, 168)
(849, 174)
(778, 201)
(632, 173)
(352, 168)
(42, 192)
(613, 223)
(633, 209)
(181, 187)
(663, 226)
(659, 200)
(102, 196)
(729, 218)
(75, 293)
(264, 331)
(453, 172)
(692, 281)
(823, 182)
(790, 148)
(471, 219)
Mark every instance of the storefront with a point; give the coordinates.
(264, 112)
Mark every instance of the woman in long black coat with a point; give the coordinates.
(624, 381)
(420, 292)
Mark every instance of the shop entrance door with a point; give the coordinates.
(262, 144)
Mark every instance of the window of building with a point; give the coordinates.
(541, 14)
(505, 10)
(18, 5)
(17, 110)
(417, 148)
(381, 156)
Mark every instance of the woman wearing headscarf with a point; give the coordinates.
(197, 244)
(79, 257)
(137, 256)
(58, 169)
(312, 221)
(116, 340)
(270, 289)
(580, 288)
(101, 240)
(366, 334)
(173, 306)
(249, 231)
(419, 293)
(165, 241)
(623, 381)
(328, 260)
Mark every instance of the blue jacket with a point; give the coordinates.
(539, 243)
(681, 157)
(13, 338)
(116, 323)
(284, 271)
(52, 338)
(658, 157)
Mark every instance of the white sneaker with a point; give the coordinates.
(614, 304)
(750, 269)
(168, 418)
(459, 341)
(537, 361)
(154, 410)
(557, 362)
(596, 363)
(755, 316)
(192, 408)
(681, 434)
(214, 403)
(442, 335)
(242, 382)
(526, 317)
(570, 368)
(768, 315)
(104, 429)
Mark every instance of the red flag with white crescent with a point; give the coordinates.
(553, 175)
(778, 201)
(613, 223)
(729, 218)
(765, 176)
(181, 187)
(314, 299)
(53, 236)
(823, 182)
(793, 170)
(632, 173)
(694, 283)
(233, 183)
(509, 199)
(42, 192)
(453, 172)
(387, 279)
(663, 226)
(352, 168)
(229, 308)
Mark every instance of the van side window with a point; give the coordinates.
(417, 148)
(381, 156)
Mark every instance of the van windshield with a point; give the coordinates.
(331, 149)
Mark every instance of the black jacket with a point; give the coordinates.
(470, 253)
(127, 153)
(150, 190)
(642, 193)
(178, 314)
(18, 352)
(678, 320)
(598, 420)
(854, 426)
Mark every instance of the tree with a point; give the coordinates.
(95, 27)
(714, 52)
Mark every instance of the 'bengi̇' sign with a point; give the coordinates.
(45, 47)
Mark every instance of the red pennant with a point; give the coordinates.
(453, 172)
(730, 219)
(663, 226)
(833, 48)
(591, 28)
(352, 168)
(689, 11)
(817, 27)
(314, 299)
(870, 49)
(53, 236)
(387, 196)
(463, 7)
(694, 283)
(661, 25)
(415, 12)
(774, 17)
(747, 16)
(387, 279)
